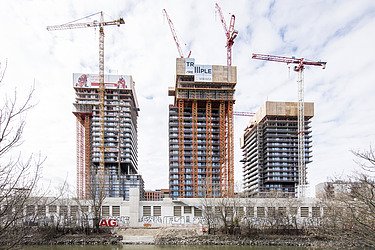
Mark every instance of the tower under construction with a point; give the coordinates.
(270, 149)
(201, 150)
(120, 135)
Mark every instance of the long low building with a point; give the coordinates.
(173, 212)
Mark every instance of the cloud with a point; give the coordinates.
(336, 31)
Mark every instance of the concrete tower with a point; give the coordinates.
(120, 137)
(201, 130)
(270, 149)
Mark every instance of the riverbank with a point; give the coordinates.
(51, 236)
(190, 237)
(179, 237)
(266, 240)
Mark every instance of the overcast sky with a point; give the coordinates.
(339, 32)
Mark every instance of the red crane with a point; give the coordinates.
(300, 66)
(171, 26)
(230, 33)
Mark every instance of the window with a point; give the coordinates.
(157, 210)
(64, 210)
(52, 208)
(250, 212)
(281, 211)
(41, 210)
(146, 210)
(105, 210)
(271, 211)
(260, 212)
(177, 211)
(115, 210)
(73, 211)
(304, 212)
(293, 211)
(315, 212)
(229, 211)
(197, 212)
(218, 211)
(187, 210)
(239, 211)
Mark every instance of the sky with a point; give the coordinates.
(339, 32)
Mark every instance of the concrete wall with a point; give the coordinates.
(282, 109)
(192, 210)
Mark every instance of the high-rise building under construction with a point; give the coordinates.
(120, 135)
(270, 149)
(201, 153)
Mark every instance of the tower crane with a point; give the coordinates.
(101, 90)
(171, 26)
(230, 33)
(299, 67)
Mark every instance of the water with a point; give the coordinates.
(152, 247)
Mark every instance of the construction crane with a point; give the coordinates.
(243, 113)
(230, 33)
(101, 90)
(299, 67)
(171, 26)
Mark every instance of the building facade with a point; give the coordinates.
(120, 135)
(179, 212)
(201, 150)
(156, 195)
(270, 148)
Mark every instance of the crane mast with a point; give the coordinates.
(299, 67)
(230, 33)
(101, 89)
(171, 26)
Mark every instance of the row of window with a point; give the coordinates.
(65, 210)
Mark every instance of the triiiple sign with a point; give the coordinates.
(202, 73)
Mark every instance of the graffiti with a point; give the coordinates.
(121, 221)
(174, 220)
(152, 219)
(199, 220)
(108, 223)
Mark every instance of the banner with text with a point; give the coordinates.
(202, 73)
(92, 81)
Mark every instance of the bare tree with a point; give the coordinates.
(350, 204)
(98, 194)
(18, 176)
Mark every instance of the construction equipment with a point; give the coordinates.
(243, 113)
(171, 26)
(230, 33)
(100, 24)
(300, 66)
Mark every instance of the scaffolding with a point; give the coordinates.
(194, 108)
(208, 181)
(223, 150)
(230, 135)
(181, 159)
(83, 115)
